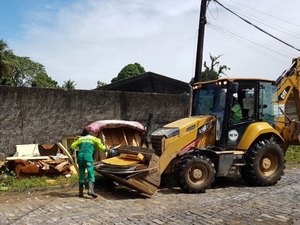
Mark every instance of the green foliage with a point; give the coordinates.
(213, 71)
(22, 71)
(20, 185)
(11, 183)
(128, 71)
(6, 81)
(44, 81)
(7, 61)
(293, 154)
(207, 75)
(69, 85)
(100, 83)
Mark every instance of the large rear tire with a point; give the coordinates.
(264, 163)
(195, 173)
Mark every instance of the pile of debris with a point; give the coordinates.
(2, 161)
(38, 160)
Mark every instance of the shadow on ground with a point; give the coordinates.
(170, 186)
(107, 189)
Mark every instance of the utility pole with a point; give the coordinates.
(199, 56)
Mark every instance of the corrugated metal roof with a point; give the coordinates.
(149, 82)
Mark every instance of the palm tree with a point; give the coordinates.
(69, 85)
(7, 61)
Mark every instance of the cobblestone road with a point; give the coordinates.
(228, 202)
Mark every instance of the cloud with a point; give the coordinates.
(92, 40)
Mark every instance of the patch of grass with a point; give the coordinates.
(293, 154)
(11, 183)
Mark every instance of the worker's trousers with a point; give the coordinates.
(86, 165)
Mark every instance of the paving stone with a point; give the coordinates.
(227, 203)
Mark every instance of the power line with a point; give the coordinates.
(211, 12)
(262, 30)
(275, 27)
(269, 48)
(253, 45)
(266, 14)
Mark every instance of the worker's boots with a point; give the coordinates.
(91, 190)
(80, 190)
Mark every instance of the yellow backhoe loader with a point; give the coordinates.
(236, 124)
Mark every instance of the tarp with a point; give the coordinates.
(96, 126)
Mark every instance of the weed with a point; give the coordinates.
(11, 183)
(293, 154)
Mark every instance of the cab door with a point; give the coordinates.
(242, 112)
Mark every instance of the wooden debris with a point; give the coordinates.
(125, 159)
(139, 157)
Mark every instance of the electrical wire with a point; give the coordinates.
(211, 12)
(265, 14)
(249, 44)
(273, 26)
(260, 29)
(255, 42)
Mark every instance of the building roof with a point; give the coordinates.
(149, 82)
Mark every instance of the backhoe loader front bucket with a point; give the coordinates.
(142, 176)
(291, 134)
(296, 132)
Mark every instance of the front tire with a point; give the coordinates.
(195, 173)
(264, 164)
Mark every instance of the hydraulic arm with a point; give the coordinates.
(288, 83)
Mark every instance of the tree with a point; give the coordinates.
(22, 71)
(128, 71)
(100, 83)
(7, 61)
(213, 71)
(31, 74)
(44, 81)
(69, 85)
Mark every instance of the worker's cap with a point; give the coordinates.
(84, 132)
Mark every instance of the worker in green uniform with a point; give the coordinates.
(86, 144)
(236, 111)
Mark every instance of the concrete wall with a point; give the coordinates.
(34, 115)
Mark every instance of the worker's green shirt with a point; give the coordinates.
(236, 113)
(87, 146)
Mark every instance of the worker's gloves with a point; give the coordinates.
(112, 152)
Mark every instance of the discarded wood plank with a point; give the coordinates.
(69, 156)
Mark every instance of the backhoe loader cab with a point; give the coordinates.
(237, 104)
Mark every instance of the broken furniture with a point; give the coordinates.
(116, 133)
(35, 159)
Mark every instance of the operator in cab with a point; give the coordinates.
(236, 111)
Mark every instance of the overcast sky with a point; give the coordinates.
(90, 40)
